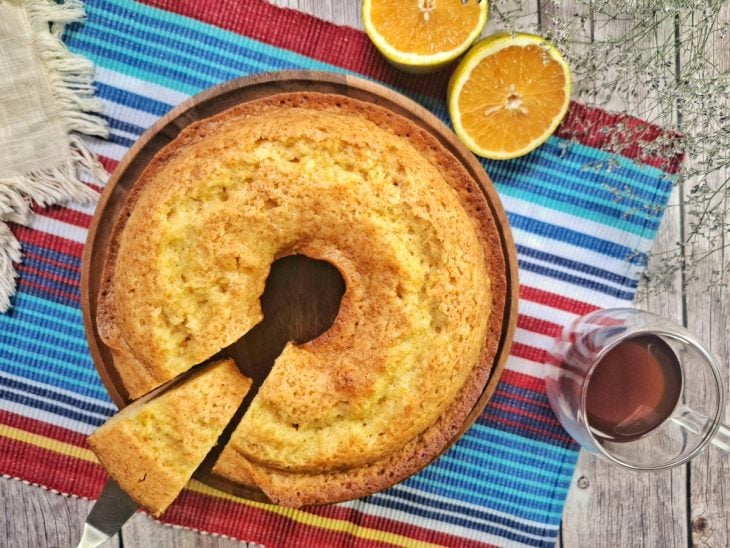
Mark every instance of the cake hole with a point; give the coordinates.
(300, 301)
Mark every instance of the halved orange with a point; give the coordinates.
(508, 95)
(423, 35)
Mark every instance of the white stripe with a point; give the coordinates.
(124, 134)
(43, 386)
(58, 228)
(575, 253)
(426, 523)
(105, 148)
(572, 222)
(546, 313)
(43, 416)
(140, 87)
(128, 114)
(535, 340)
(87, 209)
(570, 291)
(526, 367)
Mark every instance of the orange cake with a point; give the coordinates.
(152, 447)
(383, 391)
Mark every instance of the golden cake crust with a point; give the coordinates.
(329, 476)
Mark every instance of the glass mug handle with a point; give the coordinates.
(697, 423)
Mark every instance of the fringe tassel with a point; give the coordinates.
(71, 81)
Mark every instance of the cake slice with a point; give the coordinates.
(152, 447)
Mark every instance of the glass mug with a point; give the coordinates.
(636, 389)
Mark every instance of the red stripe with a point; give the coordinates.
(302, 33)
(74, 282)
(490, 417)
(52, 262)
(48, 241)
(548, 418)
(50, 469)
(543, 327)
(218, 513)
(110, 164)
(521, 398)
(253, 524)
(352, 50)
(528, 352)
(23, 282)
(561, 302)
(525, 382)
(623, 135)
(43, 429)
(66, 215)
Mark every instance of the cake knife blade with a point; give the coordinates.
(106, 518)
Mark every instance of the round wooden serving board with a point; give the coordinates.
(314, 318)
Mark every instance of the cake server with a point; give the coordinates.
(106, 518)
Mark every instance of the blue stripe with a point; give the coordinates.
(21, 329)
(105, 411)
(70, 262)
(469, 464)
(636, 176)
(588, 196)
(494, 499)
(132, 100)
(50, 408)
(575, 238)
(435, 514)
(73, 276)
(577, 266)
(44, 287)
(469, 511)
(517, 467)
(70, 315)
(573, 169)
(15, 366)
(116, 124)
(41, 361)
(575, 280)
(535, 408)
(100, 52)
(517, 453)
(536, 447)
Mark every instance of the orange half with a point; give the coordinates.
(421, 35)
(508, 95)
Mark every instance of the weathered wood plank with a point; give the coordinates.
(33, 516)
(708, 310)
(608, 506)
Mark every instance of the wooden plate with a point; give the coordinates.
(218, 99)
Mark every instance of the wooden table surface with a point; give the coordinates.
(687, 506)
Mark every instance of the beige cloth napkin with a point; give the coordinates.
(46, 103)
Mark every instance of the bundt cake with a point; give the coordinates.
(380, 393)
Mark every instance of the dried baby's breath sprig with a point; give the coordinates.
(666, 62)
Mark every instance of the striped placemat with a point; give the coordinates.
(581, 233)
